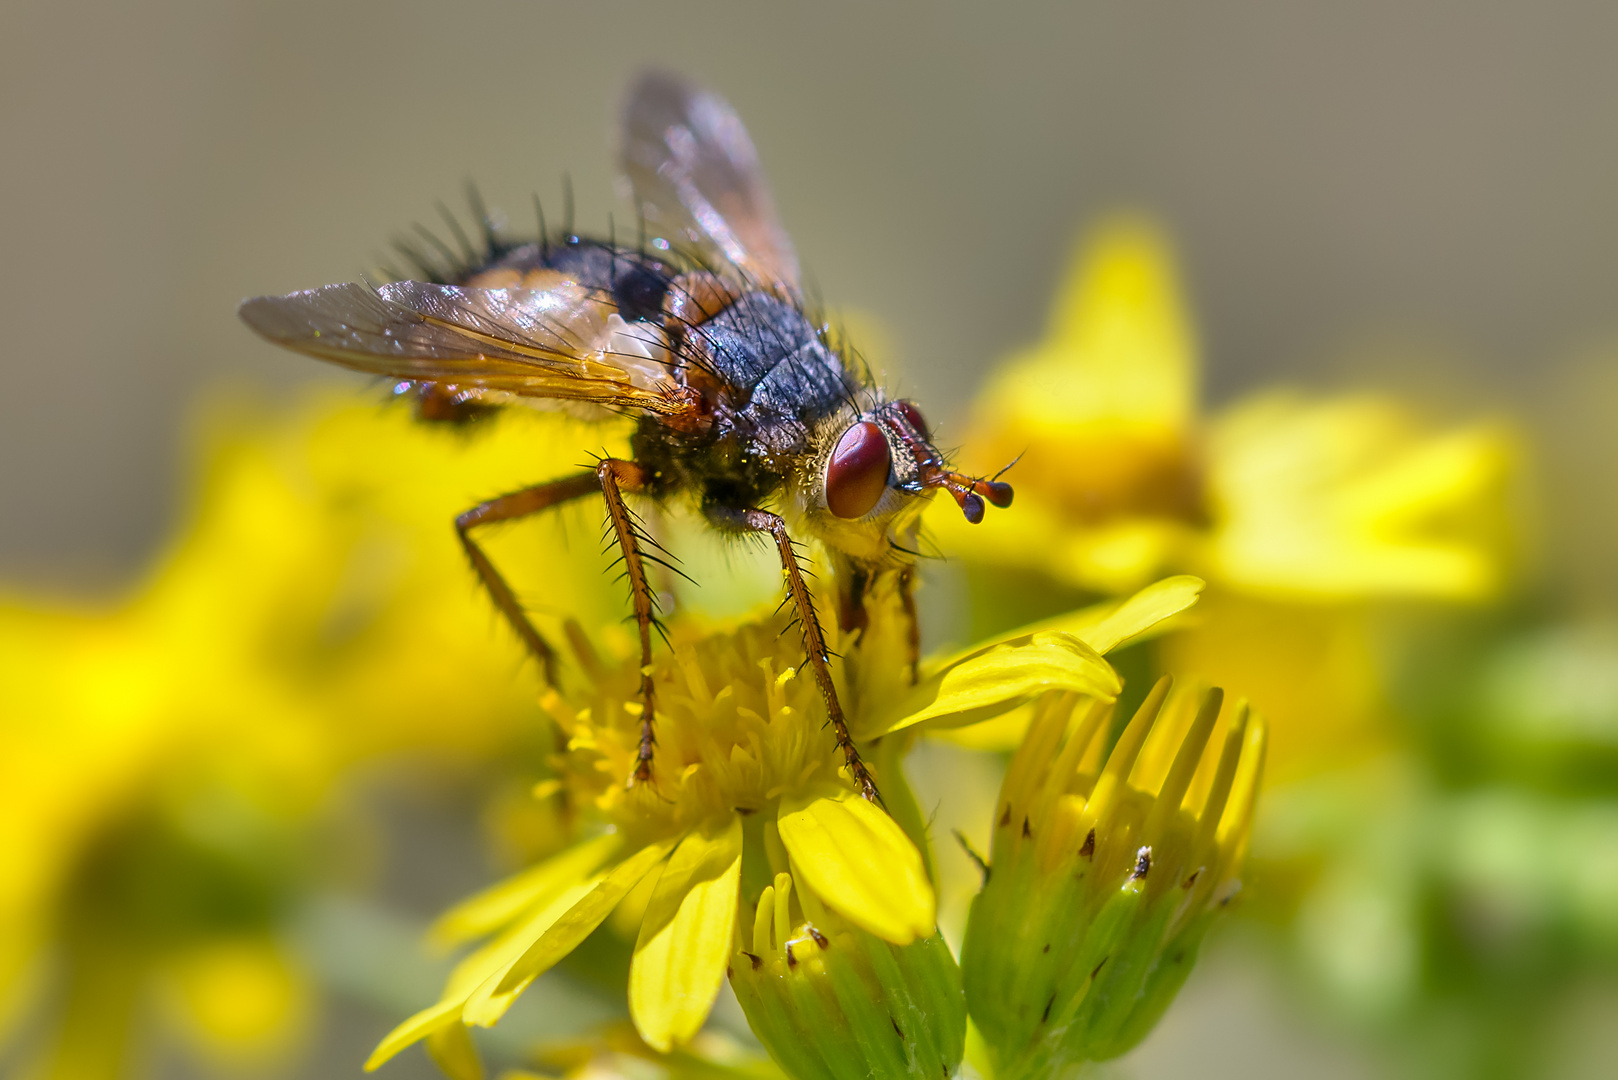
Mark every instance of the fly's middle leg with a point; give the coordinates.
(519, 504)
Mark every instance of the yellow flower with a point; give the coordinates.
(1105, 870)
(742, 762)
(166, 756)
(1300, 512)
(747, 787)
(1121, 480)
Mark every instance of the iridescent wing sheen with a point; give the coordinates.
(553, 343)
(697, 179)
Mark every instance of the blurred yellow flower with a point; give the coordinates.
(1301, 513)
(167, 756)
(1121, 479)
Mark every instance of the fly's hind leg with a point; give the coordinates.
(518, 504)
(615, 477)
(814, 642)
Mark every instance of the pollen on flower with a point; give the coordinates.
(737, 725)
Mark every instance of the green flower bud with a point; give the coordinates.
(830, 1001)
(1104, 876)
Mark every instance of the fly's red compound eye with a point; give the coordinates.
(914, 418)
(857, 473)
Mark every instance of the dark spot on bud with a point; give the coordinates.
(1047, 948)
(1192, 880)
(897, 1030)
(972, 507)
(1046, 1015)
(1026, 831)
(1143, 862)
(1097, 969)
(1005, 818)
(792, 961)
(1088, 851)
(757, 961)
(820, 939)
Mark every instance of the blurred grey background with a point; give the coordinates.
(1377, 178)
(1439, 173)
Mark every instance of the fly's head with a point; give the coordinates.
(873, 474)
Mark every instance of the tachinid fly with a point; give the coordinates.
(745, 405)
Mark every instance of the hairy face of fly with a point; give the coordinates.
(868, 486)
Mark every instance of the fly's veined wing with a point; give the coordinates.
(695, 174)
(549, 343)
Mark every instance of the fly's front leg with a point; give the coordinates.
(518, 504)
(615, 477)
(814, 643)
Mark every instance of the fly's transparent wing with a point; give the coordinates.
(697, 179)
(550, 343)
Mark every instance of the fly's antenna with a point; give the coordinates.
(544, 234)
(567, 209)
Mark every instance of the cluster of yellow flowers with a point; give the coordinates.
(174, 765)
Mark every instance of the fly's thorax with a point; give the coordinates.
(717, 470)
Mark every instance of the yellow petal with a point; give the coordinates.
(685, 936)
(490, 1001)
(1120, 343)
(418, 1026)
(859, 863)
(489, 962)
(452, 1051)
(493, 908)
(1105, 627)
(997, 679)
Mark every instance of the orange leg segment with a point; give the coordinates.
(612, 477)
(617, 476)
(519, 504)
(814, 643)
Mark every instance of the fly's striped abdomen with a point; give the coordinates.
(638, 283)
